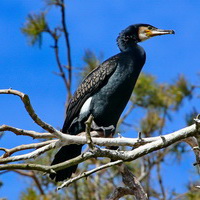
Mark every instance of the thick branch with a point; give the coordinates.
(160, 143)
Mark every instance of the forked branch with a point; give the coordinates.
(142, 146)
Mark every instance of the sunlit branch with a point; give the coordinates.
(86, 174)
(32, 134)
(9, 152)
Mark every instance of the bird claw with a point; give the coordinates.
(109, 130)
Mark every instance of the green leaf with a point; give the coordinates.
(34, 27)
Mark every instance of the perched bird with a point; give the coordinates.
(105, 92)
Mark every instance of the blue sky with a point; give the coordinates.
(92, 25)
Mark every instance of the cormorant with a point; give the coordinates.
(105, 92)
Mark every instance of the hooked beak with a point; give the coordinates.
(158, 32)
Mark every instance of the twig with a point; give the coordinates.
(32, 175)
(32, 134)
(28, 166)
(69, 68)
(62, 73)
(24, 147)
(160, 181)
(33, 154)
(85, 174)
(88, 128)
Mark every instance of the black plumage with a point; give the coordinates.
(105, 92)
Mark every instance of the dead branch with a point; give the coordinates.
(159, 143)
(29, 166)
(32, 175)
(33, 154)
(9, 152)
(32, 134)
(192, 141)
(86, 174)
(143, 146)
(120, 192)
(88, 130)
(133, 186)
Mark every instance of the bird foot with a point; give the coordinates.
(108, 131)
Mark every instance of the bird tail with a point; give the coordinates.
(65, 153)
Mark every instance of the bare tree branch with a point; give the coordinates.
(69, 67)
(34, 154)
(192, 141)
(31, 174)
(160, 181)
(88, 129)
(143, 146)
(29, 166)
(120, 192)
(133, 186)
(86, 174)
(55, 37)
(9, 152)
(32, 134)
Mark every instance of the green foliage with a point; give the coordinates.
(34, 27)
(30, 194)
(193, 196)
(150, 94)
(194, 193)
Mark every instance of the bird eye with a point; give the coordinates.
(150, 27)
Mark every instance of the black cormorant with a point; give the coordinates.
(105, 92)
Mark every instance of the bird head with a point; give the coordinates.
(146, 31)
(139, 33)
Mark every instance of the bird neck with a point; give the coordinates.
(126, 44)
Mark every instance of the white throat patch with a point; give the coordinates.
(143, 36)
